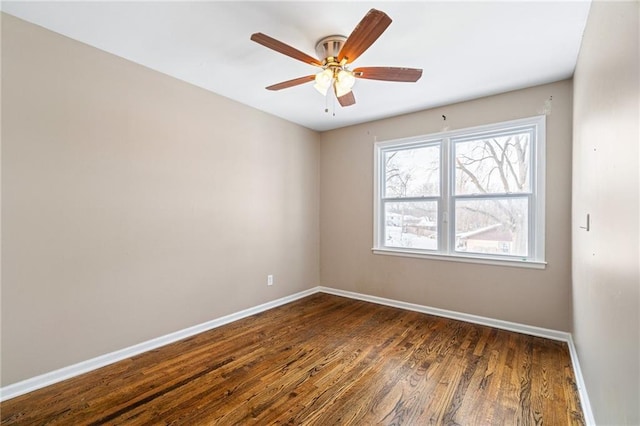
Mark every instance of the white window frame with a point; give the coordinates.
(446, 199)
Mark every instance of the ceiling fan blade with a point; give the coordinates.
(283, 48)
(389, 73)
(347, 100)
(291, 83)
(365, 33)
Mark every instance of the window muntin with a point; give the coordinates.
(471, 193)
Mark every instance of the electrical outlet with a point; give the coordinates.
(269, 279)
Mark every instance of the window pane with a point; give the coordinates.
(494, 165)
(412, 172)
(411, 225)
(494, 226)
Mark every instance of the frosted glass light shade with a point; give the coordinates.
(344, 82)
(323, 81)
(346, 79)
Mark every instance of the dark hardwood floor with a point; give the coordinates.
(324, 360)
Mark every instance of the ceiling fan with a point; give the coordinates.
(337, 52)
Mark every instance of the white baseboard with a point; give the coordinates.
(46, 379)
(38, 382)
(475, 319)
(504, 325)
(582, 389)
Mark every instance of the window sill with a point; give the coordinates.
(530, 264)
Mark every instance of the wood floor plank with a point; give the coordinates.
(323, 360)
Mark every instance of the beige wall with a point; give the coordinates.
(535, 297)
(606, 279)
(134, 204)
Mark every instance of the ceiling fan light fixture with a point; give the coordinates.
(323, 81)
(341, 90)
(336, 52)
(344, 82)
(322, 88)
(346, 78)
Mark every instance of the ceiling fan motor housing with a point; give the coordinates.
(330, 46)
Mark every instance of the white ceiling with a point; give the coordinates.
(467, 49)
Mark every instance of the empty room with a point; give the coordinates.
(320, 213)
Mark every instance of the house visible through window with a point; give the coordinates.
(468, 194)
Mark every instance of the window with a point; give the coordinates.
(473, 195)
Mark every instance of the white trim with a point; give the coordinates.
(38, 382)
(540, 182)
(582, 388)
(377, 187)
(475, 319)
(46, 379)
(517, 263)
(562, 336)
(447, 141)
